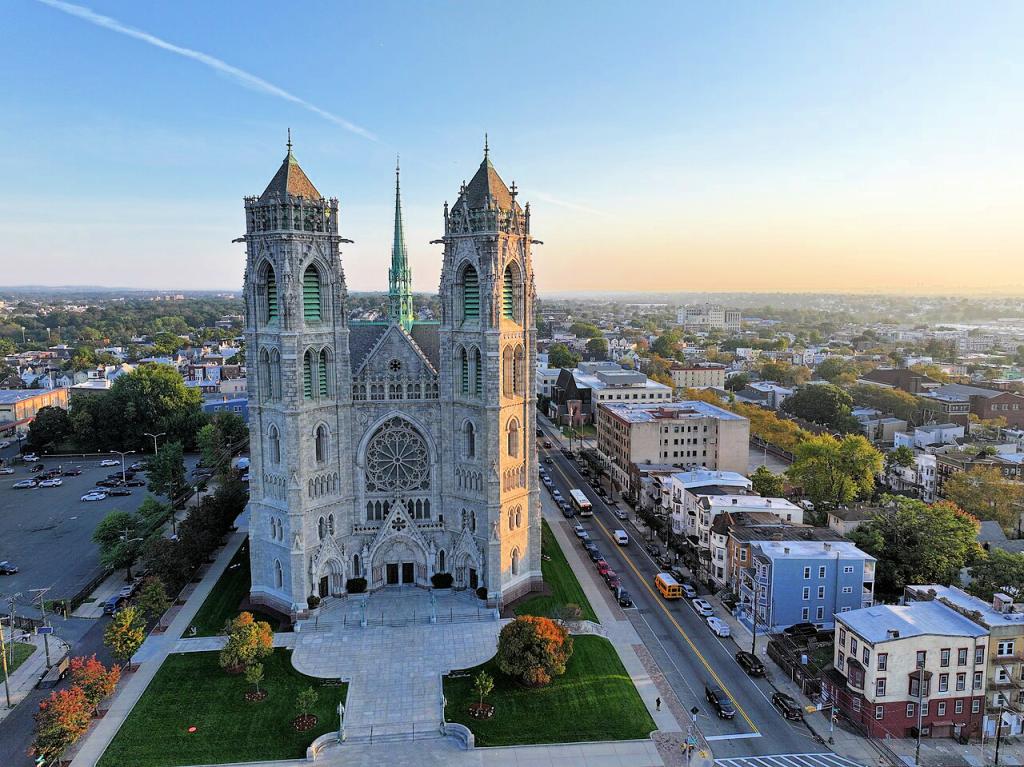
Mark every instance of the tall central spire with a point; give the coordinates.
(399, 275)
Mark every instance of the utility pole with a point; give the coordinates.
(11, 623)
(3, 660)
(999, 733)
(40, 593)
(123, 453)
(753, 613)
(920, 714)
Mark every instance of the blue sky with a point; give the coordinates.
(744, 146)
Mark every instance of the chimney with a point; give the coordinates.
(828, 546)
(892, 634)
(785, 550)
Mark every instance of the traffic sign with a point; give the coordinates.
(44, 630)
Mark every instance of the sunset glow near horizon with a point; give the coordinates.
(791, 147)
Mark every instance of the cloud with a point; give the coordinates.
(545, 197)
(238, 75)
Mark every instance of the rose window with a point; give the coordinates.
(397, 459)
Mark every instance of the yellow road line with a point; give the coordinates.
(661, 603)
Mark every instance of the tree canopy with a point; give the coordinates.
(895, 401)
(766, 483)
(834, 472)
(598, 348)
(987, 494)
(837, 370)
(50, 427)
(998, 571)
(823, 404)
(559, 356)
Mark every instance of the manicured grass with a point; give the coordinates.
(565, 588)
(22, 652)
(222, 603)
(190, 689)
(594, 700)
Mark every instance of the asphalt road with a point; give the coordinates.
(680, 641)
(47, 531)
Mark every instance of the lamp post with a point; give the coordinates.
(122, 453)
(154, 436)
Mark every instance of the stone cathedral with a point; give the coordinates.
(390, 451)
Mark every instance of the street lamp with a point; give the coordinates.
(154, 436)
(122, 453)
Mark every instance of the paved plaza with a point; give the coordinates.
(394, 670)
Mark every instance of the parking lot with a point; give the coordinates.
(47, 531)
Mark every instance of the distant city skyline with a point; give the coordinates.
(794, 147)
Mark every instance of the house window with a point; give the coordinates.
(821, 592)
(944, 657)
(842, 635)
(883, 661)
(880, 687)
(853, 646)
(847, 589)
(865, 657)
(961, 656)
(879, 712)
(841, 660)
(807, 592)
(805, 614)
(848, 569)
(975, 706)
(922, 657)
(910, 710)
(943, 682)
(977, 680)
(820, 614)
(958, 707)
(821, 571)
(1005, 647)
(807, 573)
(961, 682)
(979, 655)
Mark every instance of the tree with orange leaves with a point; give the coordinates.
(95, 679)
(60, 721)
(534, 649)
(249, 640)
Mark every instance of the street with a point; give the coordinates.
(679, 640)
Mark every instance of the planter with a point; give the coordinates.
(255, 697)
(481, 710)
(304, 722)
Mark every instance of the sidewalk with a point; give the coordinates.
(150, 657)
(28, 674)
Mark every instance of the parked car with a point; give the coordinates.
(720, 627)
(51, 482)
(94, 496)
(623, 597)
(788, 707)
(135, 483)
(620, 513)
(8, 568)
(548, 482)
(614, 584)
(24, 483)
(109, 483)
(750, 663)
(719, 701)
(801, 631)
(74, 471)
(114, 604)
(567, 512)
(580, 530)
(653, 549)
(109, 462)
(584, 538)
(548, 459)
(557, 495)
(595, 554)
(603, 567)
(5, 443)
(703, 607)
(137, 466)
(565, 507)
(6, 470)
(37, 468)
(609, 574)
(29, 457)
(689, 590)
(120, 491)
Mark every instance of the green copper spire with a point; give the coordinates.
(399, 275)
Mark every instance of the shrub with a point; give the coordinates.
(534, 649)
(313, 601)
(482, 592)
(355, 585)
(305, 701)
(249, 640)
(442, 580)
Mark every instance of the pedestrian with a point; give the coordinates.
(657, 704)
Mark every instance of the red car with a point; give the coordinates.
(614, 584)
(602, 567)
(609, 574)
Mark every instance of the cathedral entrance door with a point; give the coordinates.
(392, 574)
(473, 580)
(324, 587)
(408, 573)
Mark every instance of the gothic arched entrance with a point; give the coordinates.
(332, 579)
(399, 561)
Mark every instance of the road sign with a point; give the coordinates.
(44, 629)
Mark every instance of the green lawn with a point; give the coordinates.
(594, 700)
(222, 603)
(565, 588)
(22, 651)
(190, 689)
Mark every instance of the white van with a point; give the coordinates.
(621, 538)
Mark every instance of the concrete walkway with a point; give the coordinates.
(151, 656)
(28, 674)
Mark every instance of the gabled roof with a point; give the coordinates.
(290, 179)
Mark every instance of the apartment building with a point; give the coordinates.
(680, 494)
(896, 666)
(709, 317)
(690, 434)
(698, 375)
(583, 389)
(18, 407)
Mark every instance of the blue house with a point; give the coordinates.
(237, 405)
(804, 582)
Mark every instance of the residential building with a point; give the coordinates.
(698, 375)
(690, 434)
(578, 392)
(960, 402)
(740, 530)
(905, 379)
(18, 407)
(845, 520)
(680, 494)
(930, 435)
(882, 430)
(765, 393)
(546, 380)
(1004, 666)
(224, 403)
(917, 480)
(710, 317)
(794, 582)
(889, 660)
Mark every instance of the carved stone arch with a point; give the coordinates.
(329, 559)
(416, 423)
(323, 441)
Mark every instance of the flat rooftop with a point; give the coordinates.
(13, 396)
(915, 619)
(650, 412)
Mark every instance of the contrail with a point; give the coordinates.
(239, 75)
(545, 197)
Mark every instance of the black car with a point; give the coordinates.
(801, 631)
(37, 468)
(788, 707)
(653, 549)
(109, 483)
(750, 663)
(665, 562)
(720, 701)
(625, 600)
(74, 472)
(567, 513)
(137, 466)
(595, 554)
(119, 491)
(8, 568)
(135, 483)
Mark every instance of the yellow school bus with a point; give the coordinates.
(668, 586)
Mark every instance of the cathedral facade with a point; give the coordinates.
(390, 451)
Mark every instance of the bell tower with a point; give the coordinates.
(298, 378)
(488, 364)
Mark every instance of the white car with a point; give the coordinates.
(6, 470)
(94, 496)
(703, 607)
(109, 462)
(55, 482)
(547, 481)
(580, 530)
(620, 513)
(556, 495)
(21, 485)
(5, 443)
(720, 627)
(30, 457)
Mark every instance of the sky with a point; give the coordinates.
(747, 146)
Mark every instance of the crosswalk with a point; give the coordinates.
(788, 760)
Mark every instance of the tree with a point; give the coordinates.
(667, 344)
(254, 675)
(902, 456)
(95, 679)
(784, 373)
(119, 538)
(823, 404)
(597, 348)
(60, 721)
(737, 381)
(998, 571)
(985, 493)
(50, 427)
(305, 701)
(249, 640)
(895, 401)
(559, 356)
(767, 484)
(534, 649)
(152, 398)
(220, 437)
(585, 330)
(917, 543)
(833, 472)
(125, 633)
(483, 684)
(152, 600)
(837, 370)
(166, 471)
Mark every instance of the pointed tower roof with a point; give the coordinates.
(290, 179)
(398, 255)
(487, 183)
(399, 275)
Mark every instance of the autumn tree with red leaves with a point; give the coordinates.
(61, 720)
(534, 649)
(95, 679)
